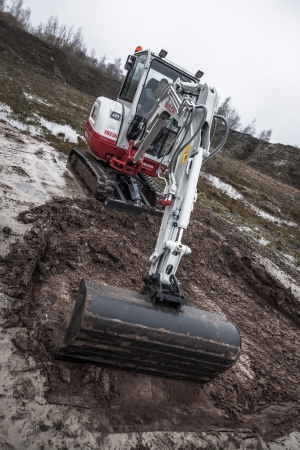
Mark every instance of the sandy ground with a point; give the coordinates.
(45, 403)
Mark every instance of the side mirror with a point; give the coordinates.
(130, 62)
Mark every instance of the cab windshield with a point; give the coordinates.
(159, 76)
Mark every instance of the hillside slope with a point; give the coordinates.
(277, 160)
(20, 48)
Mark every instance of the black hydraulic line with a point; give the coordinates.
(216, 150)
(176, 137)
(186, 123)
(143, 126)
(214, 129)
(179, 150)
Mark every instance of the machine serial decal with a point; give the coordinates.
(110, 133)
(170, 108)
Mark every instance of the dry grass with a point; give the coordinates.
(31, 95)
(269, 194)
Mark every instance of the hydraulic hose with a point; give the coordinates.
(145, 119)
(216, 150)
(174, 140)
(177, 136)
(214, 129)
(179, 150)
(143, 126)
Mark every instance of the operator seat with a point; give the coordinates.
(152, 84)
(145, 104)
(148, 97)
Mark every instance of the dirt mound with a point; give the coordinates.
(72, 239)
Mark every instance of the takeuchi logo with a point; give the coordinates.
(111, 134)
(147, 165)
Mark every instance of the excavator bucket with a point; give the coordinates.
(120, 329)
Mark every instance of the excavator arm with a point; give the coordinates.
(192, 105)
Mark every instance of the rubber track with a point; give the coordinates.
(105, 183)
(151, 184)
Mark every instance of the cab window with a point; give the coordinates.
(132, 79)
(158, 78)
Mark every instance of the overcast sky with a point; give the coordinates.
(247, 49)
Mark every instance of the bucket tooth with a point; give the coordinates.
(123, 330)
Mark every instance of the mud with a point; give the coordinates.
(31, 172)
(73, 238)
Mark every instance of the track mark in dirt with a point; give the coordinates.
(5, 187)
(20, 171)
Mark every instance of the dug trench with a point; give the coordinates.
(71, 239)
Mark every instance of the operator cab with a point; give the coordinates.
(147, 77)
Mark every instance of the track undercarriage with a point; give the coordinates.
(122, 192)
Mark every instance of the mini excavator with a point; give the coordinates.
(160, 126)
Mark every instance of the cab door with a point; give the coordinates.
(130, 93)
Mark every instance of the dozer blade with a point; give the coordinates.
(130, 208)
(123, 330)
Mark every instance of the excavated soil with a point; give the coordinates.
(71, 239)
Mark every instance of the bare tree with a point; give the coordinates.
(77, 45)
(93, 53)
(49, 31)
(22, 16)
(226, 109)
(59, 35)
(265, 135)
(114, 69)
(102, 63)
(250, 128)
(56, 34)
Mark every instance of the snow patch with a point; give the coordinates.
(281, 276)
(7, 115)
(233, 193)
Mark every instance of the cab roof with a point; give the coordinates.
(170, 63)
